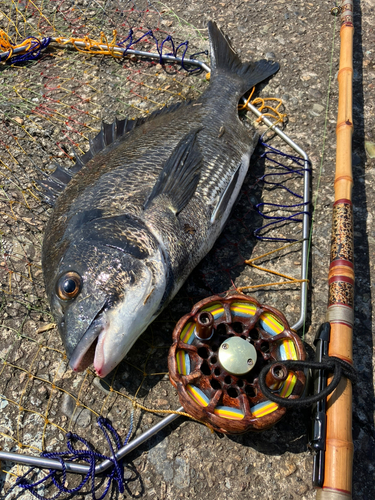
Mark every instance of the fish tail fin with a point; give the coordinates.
(224, 58)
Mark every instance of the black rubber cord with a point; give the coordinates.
(331, 364)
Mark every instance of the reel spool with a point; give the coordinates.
(218, 351)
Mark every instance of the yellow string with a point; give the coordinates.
(7, 46)
(291, 282)
(175, 412)
(274, 111)
(249, 261)
(244, 106)
(93, 46)
(10, 473)
(289, 279)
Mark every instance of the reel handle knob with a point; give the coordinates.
(277, 374)
(204, 326)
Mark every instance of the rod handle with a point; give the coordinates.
(328, 494)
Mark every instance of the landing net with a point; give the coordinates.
(47, 106)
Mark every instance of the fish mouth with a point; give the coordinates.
(99, 358)
(84, 353)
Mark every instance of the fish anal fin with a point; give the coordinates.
(180, 175)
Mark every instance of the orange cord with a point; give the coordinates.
(7, 46)
(273, 112)
(93, 46)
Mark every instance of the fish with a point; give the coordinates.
(136, 213)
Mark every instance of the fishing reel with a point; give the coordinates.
(218, 351)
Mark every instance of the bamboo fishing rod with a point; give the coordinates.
(338, 461)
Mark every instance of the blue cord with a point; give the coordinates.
(272, 154)
(58, 478)
(33, 52)
(160, 50)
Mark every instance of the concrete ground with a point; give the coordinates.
(187, 460)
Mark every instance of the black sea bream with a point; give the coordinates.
(144, 206)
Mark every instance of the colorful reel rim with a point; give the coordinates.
(232, 402)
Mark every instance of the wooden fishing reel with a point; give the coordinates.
(218, 351)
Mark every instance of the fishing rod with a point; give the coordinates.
(337, 455)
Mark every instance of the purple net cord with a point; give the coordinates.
(87, 454)
(32, 53)
(272, 154)
(174, 52)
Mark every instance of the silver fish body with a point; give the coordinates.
(144, 207)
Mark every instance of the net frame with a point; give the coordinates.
(79, 469)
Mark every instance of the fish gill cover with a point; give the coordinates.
(47, 106)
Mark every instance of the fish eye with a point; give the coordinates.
(69, 285)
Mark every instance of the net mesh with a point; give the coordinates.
(48, 106)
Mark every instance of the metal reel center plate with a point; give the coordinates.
(237, 356)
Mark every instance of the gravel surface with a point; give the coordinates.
(185, 460)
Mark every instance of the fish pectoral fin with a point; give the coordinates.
(230, 193)
(180, 175)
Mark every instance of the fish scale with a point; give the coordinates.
(144, 206)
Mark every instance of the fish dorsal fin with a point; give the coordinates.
(180, 175)
(55, 183)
